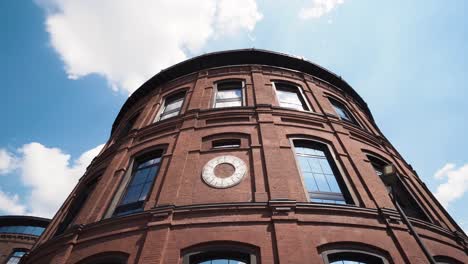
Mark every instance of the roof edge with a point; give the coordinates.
(238, 57)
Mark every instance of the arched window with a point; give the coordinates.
(402, 195)
(221, 254)
(342, 111)
(16, 256)
(143, 173)
(353, 257)
(290, 96)
(320, 174)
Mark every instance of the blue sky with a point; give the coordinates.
(68, 66)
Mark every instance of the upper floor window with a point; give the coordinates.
(75, 206)
(290, 96)
(172, 106)
(144, 172)
(401, 195)
(16, 256)
(129, 125)
(342, 111)
(320, 174)
(229, 94)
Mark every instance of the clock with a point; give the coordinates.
(230, 169)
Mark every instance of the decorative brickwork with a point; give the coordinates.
(310, 190)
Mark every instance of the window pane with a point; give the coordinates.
(166, 116)
(149, 162)
(310, 182)
(140, 176)
(229, 94)
(144, 192)
(172, 105)
(341, 110)
(228, 104)
(132, 195)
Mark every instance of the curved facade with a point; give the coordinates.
(18, 235)
(249, 156)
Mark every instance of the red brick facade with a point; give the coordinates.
(268, 213)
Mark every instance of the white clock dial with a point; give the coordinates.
(213, 180)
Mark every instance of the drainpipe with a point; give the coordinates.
(391, 179)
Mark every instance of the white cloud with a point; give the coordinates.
(127, 42)
(49, 174)
(456, 183)
(319, 8)
(10, 204)
(7, 162)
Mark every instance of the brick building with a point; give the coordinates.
(18, 235)
(249, 156)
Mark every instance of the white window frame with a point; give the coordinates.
(215, 94)
(301, 93)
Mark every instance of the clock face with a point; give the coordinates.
(224, 171)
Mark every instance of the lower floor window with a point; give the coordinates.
(320, 174)
(16, 257)
(353, 257)
(221, 254)
(220, 257)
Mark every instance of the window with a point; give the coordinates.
(320, 174)
(16, 256)
(353, 257)
(221, 254)
(220, 257)
(144, 172)
(229, 94)
(28, 230)
(172, 106)
(226, 143)
(76, 206)
(128, 126)
(342, 111)
(402, 196)
(290, 96)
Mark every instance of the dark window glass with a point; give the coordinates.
(75, 207)
(402, 196)
(220, 257)
(289, 96)
(228, 94)
(226, 143)
(319, 172)
(128, 126)
(15, 257)
(353, 258)
(28, 230)
(342, 111)
(143, 174)
(172, 106)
